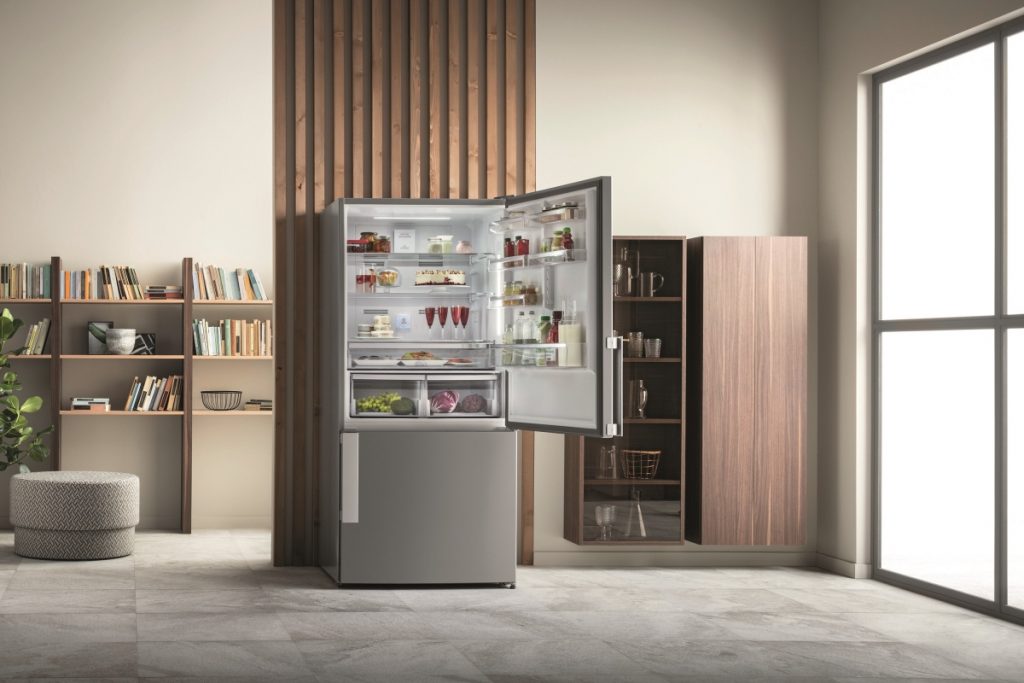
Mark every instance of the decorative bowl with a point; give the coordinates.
(120, 341)
(221, 400)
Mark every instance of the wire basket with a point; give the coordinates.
(221, 400)
(640, 464)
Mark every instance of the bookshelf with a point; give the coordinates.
(173, 321)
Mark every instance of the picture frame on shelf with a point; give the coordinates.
(145, 344)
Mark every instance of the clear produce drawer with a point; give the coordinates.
(442, 395)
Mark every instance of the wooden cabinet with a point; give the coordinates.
(746, 390)
(657, 499)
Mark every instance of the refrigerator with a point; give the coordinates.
(436, 347)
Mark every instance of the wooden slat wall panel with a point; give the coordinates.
(379, 98)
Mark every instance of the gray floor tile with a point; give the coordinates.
(622, 625)
(332, 600)
(247, 659)
(396, 659)
(78, 576)
(881, 660)
(60, 659)
(357, 625)
(793, 626)
(194, 578)
(28, 630)
(995, 658)
(843, 601)
(67, 601)
(293, 577)
(151, 600)
(210, 627)
(589, 657)
(943, 628)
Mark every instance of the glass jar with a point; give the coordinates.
(382, 245)
(446, 243)
(369, 239)
(531, 295)
(434, 246)
(556, 241)
(355, 246)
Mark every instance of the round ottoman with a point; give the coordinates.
(74, 515)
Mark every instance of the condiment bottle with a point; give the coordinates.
(567, 243)
(522, 246)
(543, 330)
(556, 321)
(509, 247)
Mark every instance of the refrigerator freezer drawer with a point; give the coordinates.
(433, 508)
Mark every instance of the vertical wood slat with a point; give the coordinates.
(400, 98)
(494, 100)
(186, 396)
(56, 376)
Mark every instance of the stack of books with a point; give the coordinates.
(154, 394)
(92, 405)
(119, 283)
(22, 281)
(259, 404)
(35, 341)
(211, 283)
(164, 292)
(233, 338)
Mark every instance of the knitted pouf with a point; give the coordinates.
(74, 515)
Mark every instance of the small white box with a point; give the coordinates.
(404, 241)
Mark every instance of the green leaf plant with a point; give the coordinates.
(18, 441)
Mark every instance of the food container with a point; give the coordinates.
(464, 247)
(370, 238)
(387, 277)
(355, 246)
(382, 245)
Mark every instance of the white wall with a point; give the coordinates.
(140, 133)
(857, 38)
(704, 113)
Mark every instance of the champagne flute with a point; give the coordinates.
(429, 313)
(456, 319)
(465, 320)
(442, 317)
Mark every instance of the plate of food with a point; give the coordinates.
(375, 361)
(461, 361)
(422, 359)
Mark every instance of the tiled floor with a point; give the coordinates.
(210, 606)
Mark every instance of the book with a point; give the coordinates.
(213, 283)
(96, 405)
(232, 338)
(155, 394)
(24, 281)
(118, 283)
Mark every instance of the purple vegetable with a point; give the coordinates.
(444, 402)
(474, 403)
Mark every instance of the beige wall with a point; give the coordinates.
(140, 132)
(856, 38)
(704, 112)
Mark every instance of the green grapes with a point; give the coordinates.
(380, 403)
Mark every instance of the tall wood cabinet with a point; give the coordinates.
(746, 390)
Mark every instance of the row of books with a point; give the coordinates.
(153, 393)
(106, 282)
(35, 340)
(213, 283)
(24, 281)
(233, 338)
(259, 404)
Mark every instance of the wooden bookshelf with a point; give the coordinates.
(62, 363)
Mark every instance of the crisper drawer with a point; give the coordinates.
(388, 395)
(442, 395)
(464, 396)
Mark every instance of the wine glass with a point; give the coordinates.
(604, 515)
(465, 319)
(442, 317)
(456, 320)
(429, 313)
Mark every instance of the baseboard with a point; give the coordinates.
(232, 522)
(854, 570)
(711, 558)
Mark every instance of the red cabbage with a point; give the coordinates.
(474, 403)
(444, 401)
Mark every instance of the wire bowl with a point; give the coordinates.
(640, 464)
(221, 400)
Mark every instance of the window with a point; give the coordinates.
(949, 322)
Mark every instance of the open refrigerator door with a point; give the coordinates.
(551, 311)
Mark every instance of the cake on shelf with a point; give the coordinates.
(440, 276)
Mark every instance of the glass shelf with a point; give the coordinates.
(426, 260)
(550, 258)
(433, 290)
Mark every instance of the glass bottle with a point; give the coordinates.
(567, 243)
(509, 248)
(556, 320)
(543, 329)
(522, 246)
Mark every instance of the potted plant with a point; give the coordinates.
(18, 440)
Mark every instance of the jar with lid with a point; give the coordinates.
(531, 295)
(382, 245)
(567, 242)
(370, 239)
(435, 246)
(556, 241)
(509, 247)
(522, 246)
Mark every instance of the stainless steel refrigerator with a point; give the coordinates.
(434, 350)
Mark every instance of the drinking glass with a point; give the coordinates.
(456, 319)
(604, 515)
(429, 312)
(465, 320)
(652, 348)
(442, 317)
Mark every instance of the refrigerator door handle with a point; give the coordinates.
(618, 351)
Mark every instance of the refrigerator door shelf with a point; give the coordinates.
(545, 258)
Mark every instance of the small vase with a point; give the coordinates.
(120, 341)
